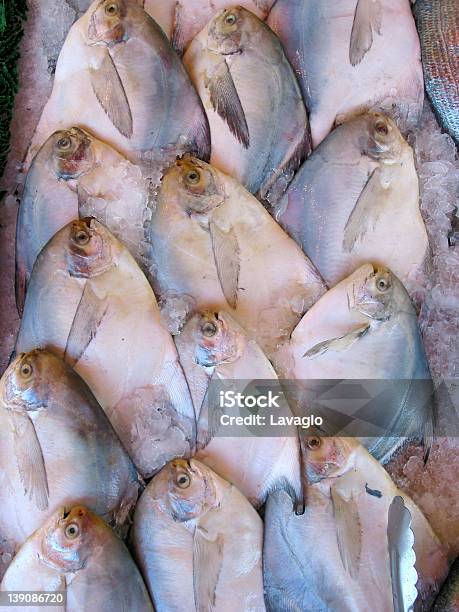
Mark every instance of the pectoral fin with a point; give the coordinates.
(338, 344)
(110, 92)
(366, 211)
(88, 317)
(226, 255)
(178, 33)
(226, 102)
(367, 20)
(348, 531)
(207, 565)
(402, 558)
(29, 457)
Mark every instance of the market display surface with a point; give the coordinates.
(204, 200)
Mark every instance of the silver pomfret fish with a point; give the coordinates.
(361, 543)
(75, 552)
(89, 301)
(350, 56)
(258, 122)
(213, 241)
(118, 77)
(356, 199)
(198, 542)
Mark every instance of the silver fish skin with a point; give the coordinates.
(89, 301)
(336, 556)
(198, 542)
(258, 122)
(213, 347)
(350, 56)
(440, 58)
(118, 77)
(57, 447)
(181, 20)
(75, 174)
(213, 241)
(356, 199)
(75, 552)
(365, 328)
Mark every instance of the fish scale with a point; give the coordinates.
(438, 27)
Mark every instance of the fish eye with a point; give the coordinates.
(26, 370)
(81, 237)
(382, 284)
(183, 481)
(64, 143)
(381, 127)
(193, 177)
(230, 19)
(112, 9)
(71, 531)
(314, 442)
(209, 329)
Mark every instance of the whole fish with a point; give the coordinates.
(356, 199)
(89, 301)
(76, 553)
(350, 56)
(56, 447)
(352, 549)
(74, 173)
(212, 240)
(213, 347)
(118, 77)
(366, 328)
(258, 123)
(438, 27)
(198, 542)
(181, 20)
(448, 599)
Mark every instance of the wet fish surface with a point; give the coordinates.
(75, 174)
(213, 348)
(375, 551)
(356, 199)
(258, 122)
(56, 447)
(213, 241)
(181, 20)
(438, 27)
(90, 302)
(75, 552)
(366, 328)
(350, 56)
(198, 542)
(118, 77)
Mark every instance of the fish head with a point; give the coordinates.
(69, 537)
(231, 30)
(194, 185)
(217, 338)
(327, 457)
(71, 153)
(185, 489)
(373, 292)
(107, 22)
(383, 140)
(90, 248)
(28, 380)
